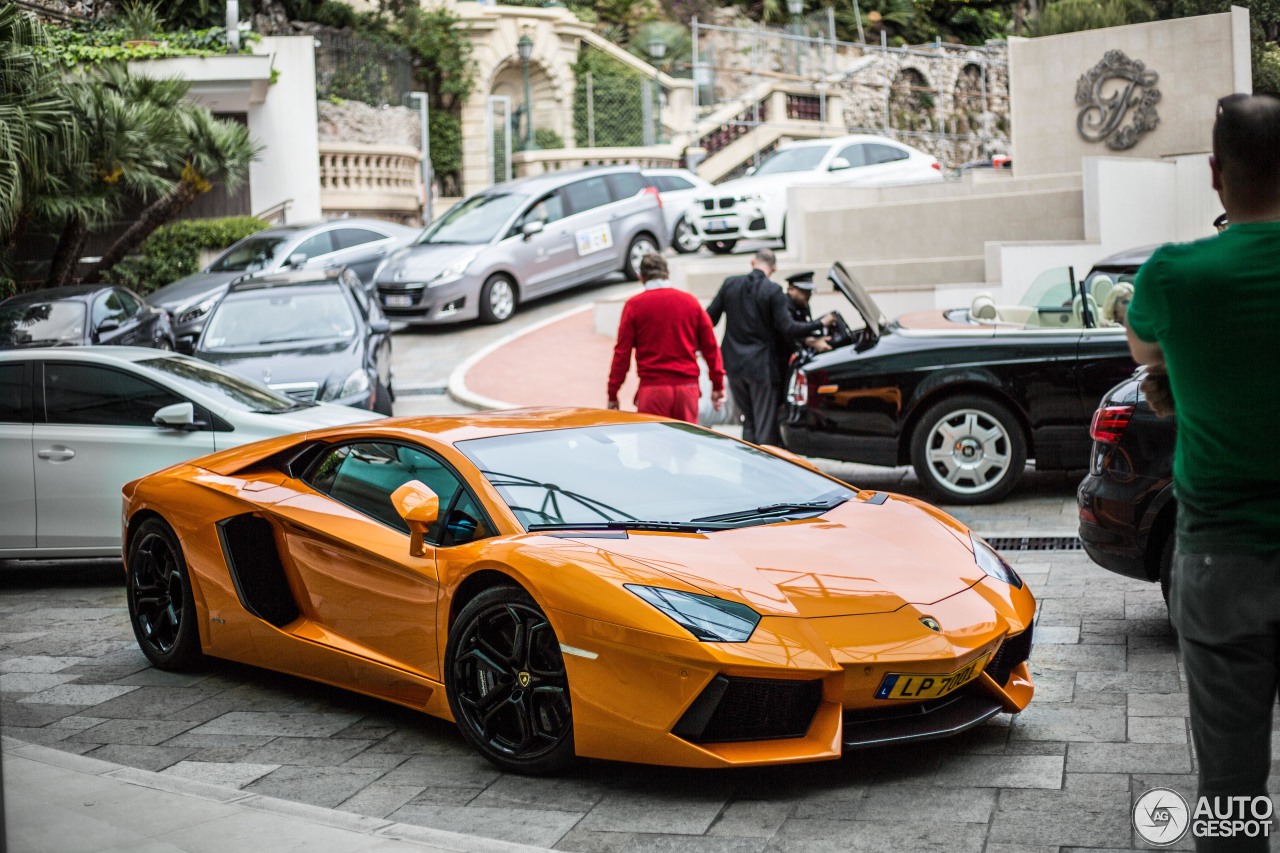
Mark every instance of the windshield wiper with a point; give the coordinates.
(818, 506)
(629, 524)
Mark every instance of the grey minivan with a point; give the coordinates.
(521, 240)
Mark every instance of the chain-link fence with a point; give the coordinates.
(358, 69)
(616, 112)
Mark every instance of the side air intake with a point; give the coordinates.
(249, 546)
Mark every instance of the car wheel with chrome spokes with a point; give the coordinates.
(507, 685)
(497, 299)
(968, 450)
(641, 245)
(161, 604)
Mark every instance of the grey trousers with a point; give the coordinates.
(759, 401)
(1226, 608)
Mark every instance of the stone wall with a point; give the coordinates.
(353, 121)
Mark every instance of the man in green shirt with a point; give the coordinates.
(1208, 313)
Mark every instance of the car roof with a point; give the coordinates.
(844, 140)
(96, 354)
(299, 228)
(1128, 258)
(287, 278)
(55, 294)
(535, 184)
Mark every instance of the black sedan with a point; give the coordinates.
(81, 315)
(965, 395)
(1127, 509)
(312, 335)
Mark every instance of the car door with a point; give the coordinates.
(18, 496)
(550, 256)
(317, 248)
(115, 320)
(360, 250)
(94, 433)
(350, 548)
(595, 222)
(143, 321)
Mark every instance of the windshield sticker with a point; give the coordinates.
(594, 239)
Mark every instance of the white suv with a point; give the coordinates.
(755, 207)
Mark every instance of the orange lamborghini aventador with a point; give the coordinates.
(582, 583)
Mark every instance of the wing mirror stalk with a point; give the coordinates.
(419, 507)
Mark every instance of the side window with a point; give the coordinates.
(587, 194)
(547, 209)
(627, 185)
(87, 394)
(13, 402)
(465, 523)
(346, 238)
(674, 183)
(108, 306)
(128, 302)
(313, 247)
(364, 475)
(884, 154)
(856, 154)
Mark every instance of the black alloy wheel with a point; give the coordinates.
(161, 605)
(721, 247)
(507, 685)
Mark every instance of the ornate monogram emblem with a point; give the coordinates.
(1111, 91)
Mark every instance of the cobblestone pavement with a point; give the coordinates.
(1107, 723)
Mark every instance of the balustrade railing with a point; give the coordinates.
(362, 178)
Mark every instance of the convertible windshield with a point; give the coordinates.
(474, 220)
(792, 160)
(646, 474)
(42, 324)
(273, 316)
(232, 389)
(252, 255)
(1051, 290)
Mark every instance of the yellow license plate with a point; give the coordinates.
(922, 685)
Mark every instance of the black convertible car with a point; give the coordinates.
(966, 395)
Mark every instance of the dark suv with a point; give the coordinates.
(1126, 502)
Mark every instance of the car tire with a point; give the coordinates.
(684, 239)
(515, 710)
(161, 605)
(721, 247)
(498, 299)
(968, 449)
(164, 344)
(382, 398)
(641, 245)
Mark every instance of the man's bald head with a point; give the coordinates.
(765, 261)
(1246, 152)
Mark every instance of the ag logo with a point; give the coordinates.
(523, 678)
(930, 623)
(1161, 817)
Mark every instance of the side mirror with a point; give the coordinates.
(297, 260)
(782, 453)
(419, 507)
(531, 228)
(380, 326)
(180, 416)
(751, 170)
(838, 164)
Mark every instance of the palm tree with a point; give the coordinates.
(37, 127)
(133, 136)
(214, 151)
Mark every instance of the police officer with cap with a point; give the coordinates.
(800, 288)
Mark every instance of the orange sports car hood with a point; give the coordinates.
(858, 558)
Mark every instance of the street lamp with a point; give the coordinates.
(657, 50)
(796, 8)
(525, 46)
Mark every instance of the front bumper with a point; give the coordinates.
(1112, 528)
(799, 690)
(741, 221)
(415, 302)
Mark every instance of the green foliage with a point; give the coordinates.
(173, 251)
(1069, 16)
(141, 20)
(678, 58)
(99, 42)
(547, 139)
(446, 151)
(1266, 69)
(617, 108)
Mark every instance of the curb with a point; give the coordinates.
(377, 828)
(458, 389)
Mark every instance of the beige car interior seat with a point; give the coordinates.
(983, 308)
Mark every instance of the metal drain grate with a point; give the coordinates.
(433, 391)
(1036, 543)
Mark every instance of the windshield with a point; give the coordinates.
(270, 316)
(645, 471)
(792, 160)
(234, 390)
(251, 255)
(1051, 290)
(44, 323)
(474, 220)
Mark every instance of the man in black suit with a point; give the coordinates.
(758, 317)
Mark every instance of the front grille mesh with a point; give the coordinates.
(743, 709)
(1035, 543)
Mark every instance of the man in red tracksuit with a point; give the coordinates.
(666, 328)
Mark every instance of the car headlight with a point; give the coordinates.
(454, 271)
(187, 314)
(356, 383)
(711, 620)
(990, 561)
